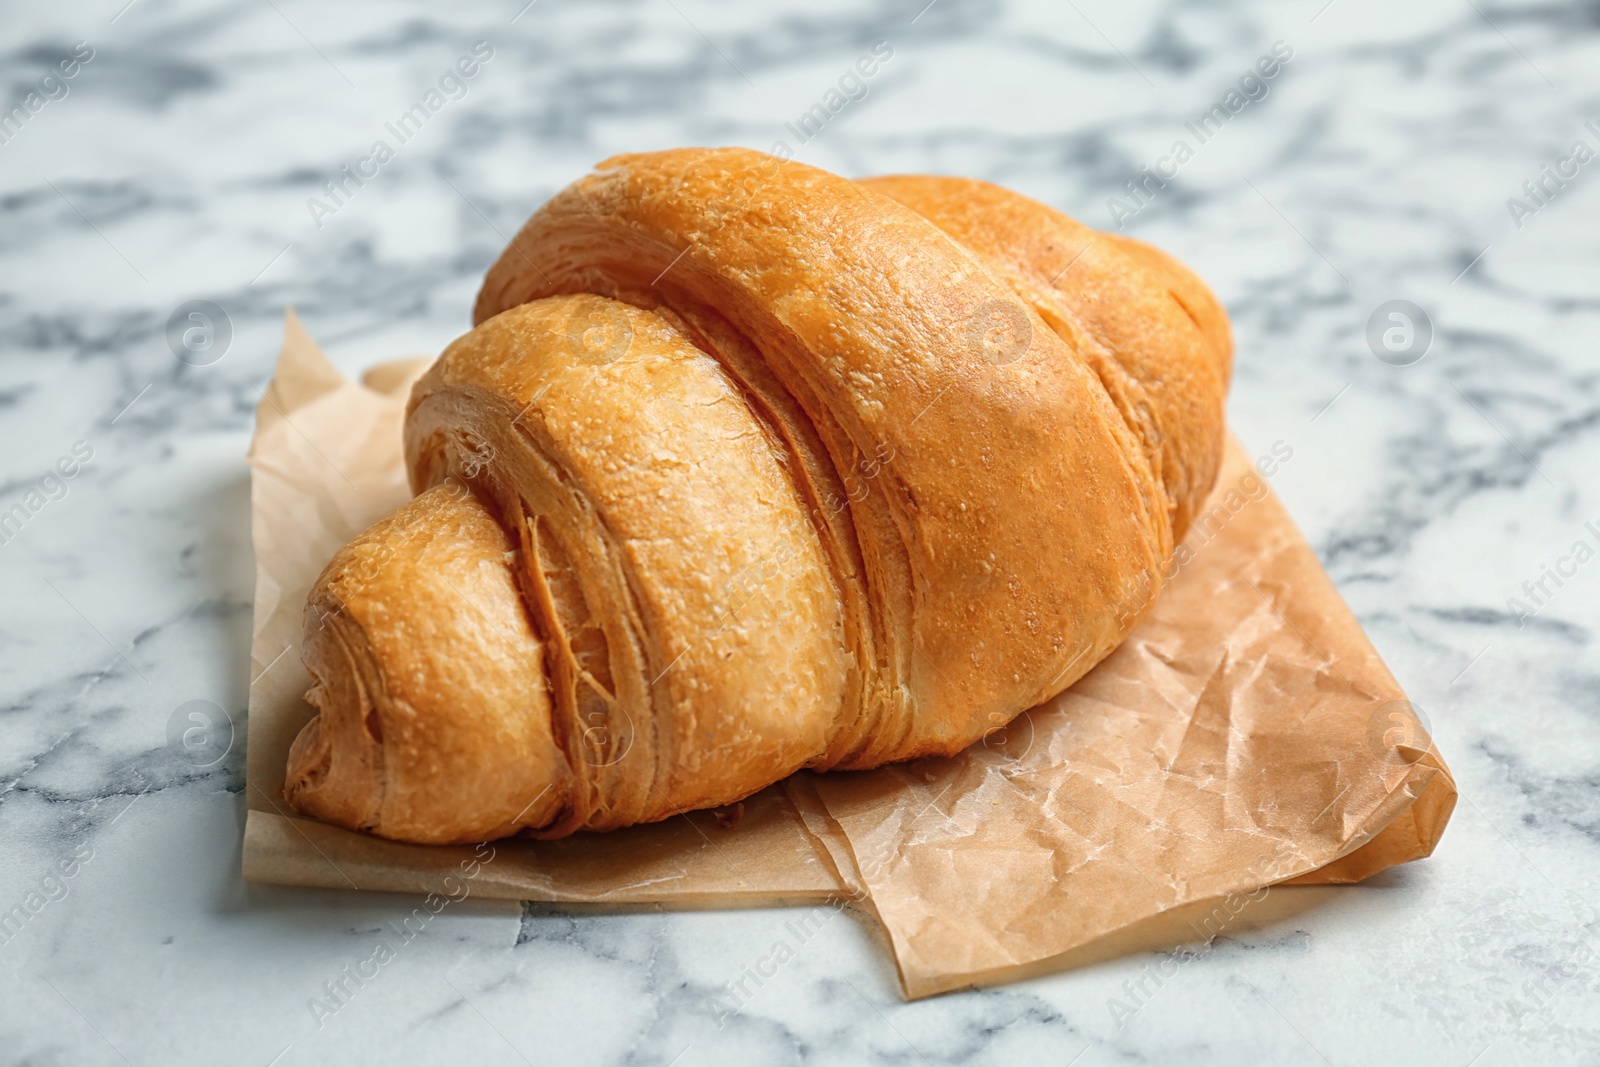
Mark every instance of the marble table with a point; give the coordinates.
(1443, 467)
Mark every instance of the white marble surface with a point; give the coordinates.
(177, 166)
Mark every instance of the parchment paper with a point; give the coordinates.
(1246, 734)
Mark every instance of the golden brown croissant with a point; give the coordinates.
(748, 468)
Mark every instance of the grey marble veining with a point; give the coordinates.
(1380, 162)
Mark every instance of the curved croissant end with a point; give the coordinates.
(748, 468)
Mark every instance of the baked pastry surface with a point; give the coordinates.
(747, 468)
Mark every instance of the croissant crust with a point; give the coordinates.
(747, 468)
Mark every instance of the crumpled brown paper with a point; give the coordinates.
(1246, 734)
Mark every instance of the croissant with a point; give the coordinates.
(747, 468)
